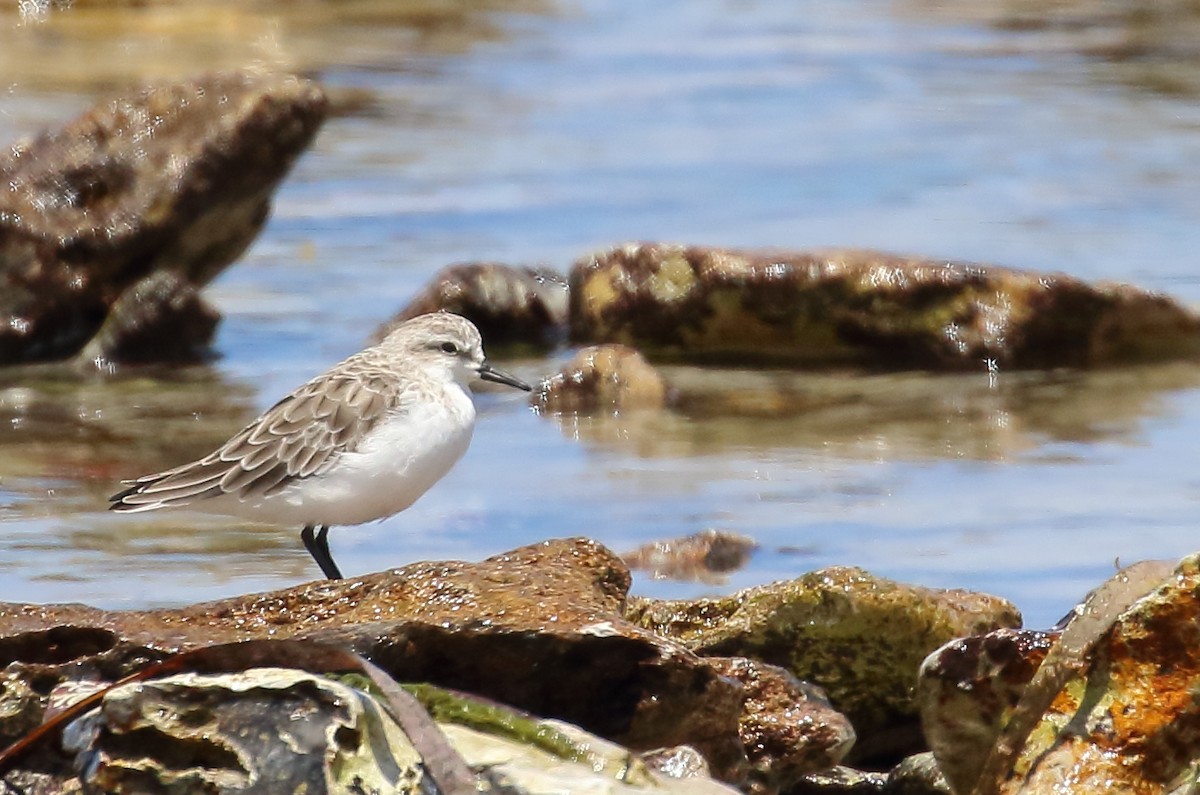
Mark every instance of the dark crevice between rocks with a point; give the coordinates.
(56, 646)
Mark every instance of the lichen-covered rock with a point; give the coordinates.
(1112, 708)
(866, 308)
(602, 378)
(860, 637)
(510, 305)
(540, 628)
(175, 179)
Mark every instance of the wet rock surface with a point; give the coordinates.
(136, 204)
(240, 733)
(841, 781)
(864, 308)
(510, 305)
(602, 378)
(789, 728)
(540, 628)
(968, 690)
(1110, 708)
(859, 637)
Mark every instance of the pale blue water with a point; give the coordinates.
(730, 123)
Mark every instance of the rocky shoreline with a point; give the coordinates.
(542, 672)
(538, 665)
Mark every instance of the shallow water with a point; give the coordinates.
(535, 133)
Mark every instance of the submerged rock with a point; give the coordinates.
(865, 308)
(510, 305)
(705, 556)
(602, 378)
(136, 204)
(861, 638)
(540, 628)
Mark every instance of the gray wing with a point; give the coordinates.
(299, 436)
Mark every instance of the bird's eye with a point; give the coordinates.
(449, 347)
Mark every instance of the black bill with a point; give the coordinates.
(489, 373)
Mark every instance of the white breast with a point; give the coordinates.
(403, 456)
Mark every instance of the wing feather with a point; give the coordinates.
(300, 436)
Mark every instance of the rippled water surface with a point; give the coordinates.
(536, 132)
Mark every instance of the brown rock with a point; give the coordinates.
(524, 306)
(159, 318)
(539, 628)
(705, 556)
(861, 638)
(602, 378)
(864, 308)
(788, 727)
(177, 179)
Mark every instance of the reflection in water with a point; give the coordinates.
(1152, 46)
(68, 440)
(894, 417)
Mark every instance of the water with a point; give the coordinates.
(537, 133)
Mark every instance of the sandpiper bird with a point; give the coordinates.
(357, 443)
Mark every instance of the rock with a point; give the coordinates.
(159, 318)
(788, 727)
(864, 308)
(521, 306)
(153, 193)
(861, 638)
(602, 378)
(967, 691)
(1110, 707)
(682, 761)
(917, 775)
(540, 628)
(841, 781)
(238, 733)
(705, 556)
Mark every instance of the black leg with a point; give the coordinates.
(318, 547)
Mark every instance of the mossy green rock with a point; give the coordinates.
(862, 307)
(860, 637)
